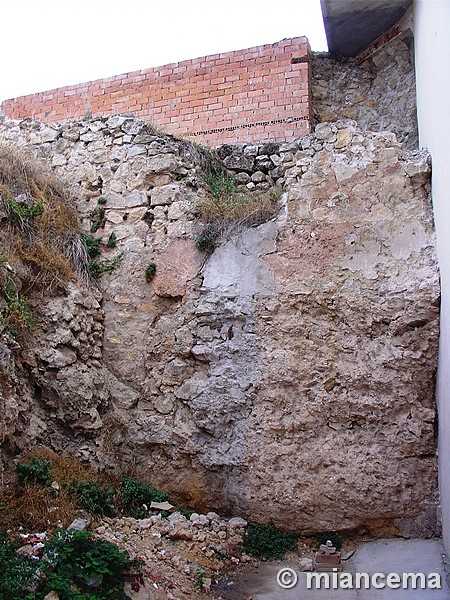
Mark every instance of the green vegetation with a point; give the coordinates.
(17, 572)
(40, 242)
(150, 271)
(229, 207)
(200, 576)
(17, 316)
(24, 210)
(221, 185)
(102, 200)
(268, 542)
(112, 241)
(133, 495)
(93, 245)
(93, 496)
(31, 503)
(97, 216)
(74, 564)
(35, 471)
(206, 240)
(96, 269)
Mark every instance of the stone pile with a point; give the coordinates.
(182, 555)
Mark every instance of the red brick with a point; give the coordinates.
(232, 88)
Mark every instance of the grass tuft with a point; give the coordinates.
(227, 208)
(41, 230)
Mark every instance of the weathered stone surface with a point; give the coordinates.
(239, 162)
(379, 94)
(288, 376)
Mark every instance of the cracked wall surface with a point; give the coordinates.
(289, 375)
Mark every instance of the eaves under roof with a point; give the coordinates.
(351, 25)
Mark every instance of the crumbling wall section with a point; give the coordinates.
(289, 374)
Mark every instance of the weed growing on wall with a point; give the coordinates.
(112, 241)
(93, 245)
(42, 227)
(206, 239)
(227, 208)
(150, 271)
(96, 269)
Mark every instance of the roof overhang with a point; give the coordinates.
(351, 25)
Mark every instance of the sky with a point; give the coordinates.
(46, 44)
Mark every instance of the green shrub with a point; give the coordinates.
(150, 271)
(200, 576)
(269, 542)
(206, 240)
(112, 241)
(221, 184)
(34, 471)
(133, 494)
(93, 496)
(86, 568)
(97, 216)
(17, 573)
(96, 269)
(322, 538)
(93, 245)
(102, 200)
(24, 210)
(17, 315)
(74, 564)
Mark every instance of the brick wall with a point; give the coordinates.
(258, 94)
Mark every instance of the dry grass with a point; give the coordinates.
(244, 208)
(37, 507)
(63, 467)
(227, 206)
(42, 222)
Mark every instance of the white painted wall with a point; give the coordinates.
(432, 55)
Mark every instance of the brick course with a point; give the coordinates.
(251, 95)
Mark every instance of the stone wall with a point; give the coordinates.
(289, 375)
(256, 94)
(379, 93)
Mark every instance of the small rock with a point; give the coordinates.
(162, 506)
(79, 524)
(344, 137)
(323, 131)
(237, 522)
(242, 178)
(239, 163)
(199, 520)
(306, 564)
(26, 550)
(258, 177)
(180, 533)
